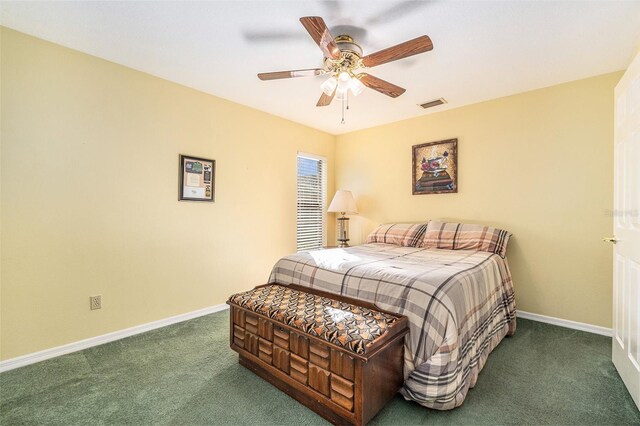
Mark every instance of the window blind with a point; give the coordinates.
(312, 196)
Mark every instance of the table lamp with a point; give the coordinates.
(343, 203)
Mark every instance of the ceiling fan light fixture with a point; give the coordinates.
(356, 86)
(329, 86)
(344, 82)
(341, 92)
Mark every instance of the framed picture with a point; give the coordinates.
(435, 167)
(197, 179)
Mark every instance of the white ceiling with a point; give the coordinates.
(482, 50)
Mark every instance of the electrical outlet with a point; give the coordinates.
(95, 302)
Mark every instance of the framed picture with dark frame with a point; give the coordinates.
(435, 167)
(197, 179)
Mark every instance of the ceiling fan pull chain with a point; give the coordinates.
(342, 122)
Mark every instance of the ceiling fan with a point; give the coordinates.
(343, 61)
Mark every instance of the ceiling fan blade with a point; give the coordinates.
(320, 34)
(289, 74)
(408, 48)
(380, 85)
(325, 99)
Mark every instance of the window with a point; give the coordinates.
(312, 196)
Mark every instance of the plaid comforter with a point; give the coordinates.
(460, 305)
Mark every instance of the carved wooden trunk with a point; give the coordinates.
(311, 353)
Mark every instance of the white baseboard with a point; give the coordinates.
(566, 323)
(32, 358)
(35, 357)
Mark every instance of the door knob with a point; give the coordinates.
(611, 240)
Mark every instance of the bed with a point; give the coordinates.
(459, 299)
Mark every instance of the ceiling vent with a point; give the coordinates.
(433, 103)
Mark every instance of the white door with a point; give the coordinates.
(626, 262)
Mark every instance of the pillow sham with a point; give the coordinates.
(465, 236)
(401, 234)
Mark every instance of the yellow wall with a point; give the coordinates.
(89, 196)
(539, 164)
(89, 161)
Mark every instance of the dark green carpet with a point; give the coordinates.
(186, 374)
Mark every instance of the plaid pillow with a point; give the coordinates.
(401, 234)
(464, 236)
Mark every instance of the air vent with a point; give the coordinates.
(433, 103)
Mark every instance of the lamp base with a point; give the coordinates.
(343, 231)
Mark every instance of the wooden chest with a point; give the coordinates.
(341, 357)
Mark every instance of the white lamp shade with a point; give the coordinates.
(329, 86)
(356, 86)
(343, 202)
